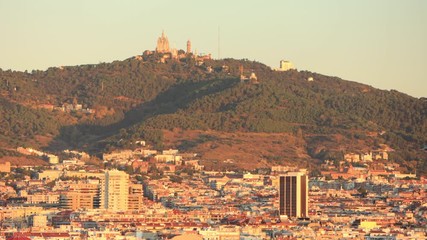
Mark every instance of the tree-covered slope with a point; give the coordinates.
(18, 123)
(141, 98)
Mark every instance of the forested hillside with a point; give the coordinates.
(18, 123)
(135, 99)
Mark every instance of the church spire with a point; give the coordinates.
(163, 44)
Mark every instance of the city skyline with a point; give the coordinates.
(237, 120)
(377, 43)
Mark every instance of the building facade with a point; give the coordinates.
(135, 201)
(115, 191)
(5, 167)
(163, 44)
(293, 195)
(286, 65)
(80, 196)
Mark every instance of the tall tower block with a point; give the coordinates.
(188, 46)
(115, 191)
(293, 195)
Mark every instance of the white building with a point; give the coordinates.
(115, 191)
(286, 65)
(53, 159)
(38, 220)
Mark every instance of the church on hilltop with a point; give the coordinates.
(165, 52)
(163, 48)
(163, 44)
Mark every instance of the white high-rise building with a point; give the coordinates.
(115, 191)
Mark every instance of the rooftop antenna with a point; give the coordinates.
(219, 47)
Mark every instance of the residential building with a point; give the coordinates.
(38, 220)
(80, 196)
(49, 174)
(5, 167)
(293, 194)
(53, 159)
(135, 197)
(50, 198)
(115, 191)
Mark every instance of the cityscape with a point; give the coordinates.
(177, 142)
(144, 193)
(168, 194)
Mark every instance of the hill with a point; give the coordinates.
(207, 108)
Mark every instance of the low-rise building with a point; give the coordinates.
(80, 196)
(5, 167)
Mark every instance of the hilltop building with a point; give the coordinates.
(293, 195)
(253, 78)
(166, 52)
(285, 66)
(115, 191)
(188, 47)
(163, 44)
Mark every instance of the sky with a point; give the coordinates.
(382, 43)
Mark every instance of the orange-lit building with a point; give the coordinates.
(80, 196)
(293, 194)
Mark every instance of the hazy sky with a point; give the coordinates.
(382, 43)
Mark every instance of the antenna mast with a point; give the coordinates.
(219, 47)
